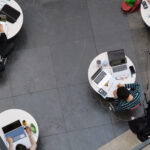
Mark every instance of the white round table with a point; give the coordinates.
(14, 28)
(145, 13)
(12, 115)
(94, 67)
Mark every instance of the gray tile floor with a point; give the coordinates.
(47, 73)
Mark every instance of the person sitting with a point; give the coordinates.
(126, 96)
(23, 147)
(5, 47)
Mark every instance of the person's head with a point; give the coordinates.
(21, 147)
(123, 93)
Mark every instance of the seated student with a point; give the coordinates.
(3, 38)
(127, 96)
(5, 46)
(23, 147)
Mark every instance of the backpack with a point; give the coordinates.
(141, 126)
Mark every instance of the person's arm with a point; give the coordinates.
(10, 141)
(33, 142)
(31, 138)
(3, 38)
(10, 147)
(133, 86)
(117, 104)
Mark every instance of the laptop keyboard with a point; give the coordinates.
(16, 138)
(119, 68)
(100, 77)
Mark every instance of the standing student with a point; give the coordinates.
(6, 47)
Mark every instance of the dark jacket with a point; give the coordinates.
(141, 126)
(3, 41)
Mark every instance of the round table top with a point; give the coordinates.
(145, 13)
(11, 115)
(14, 28)
(94, 67)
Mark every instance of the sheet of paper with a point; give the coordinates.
(110, 86)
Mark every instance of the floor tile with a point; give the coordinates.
(6, 103)
(5, 88)
(135, 20)
(81, 108)
(71, 61)
(91, 138)
(34, 31)
(54, 23)
(32, 70)
(68, 20)
(141, 43)
(120, 128)
(55, 142)
(109, 28)
(44, 106)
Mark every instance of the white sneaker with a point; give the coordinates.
(111, 107)
(132, 118)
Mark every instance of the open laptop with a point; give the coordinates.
(16, 131)
(120, 71)
(105, 82)
(118, 62)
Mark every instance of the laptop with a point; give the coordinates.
(17, 132)
(11, 13)
(118, 62)
(105, 82)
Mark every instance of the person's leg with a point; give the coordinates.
(111, 107)
(8, 50)
(2, 67)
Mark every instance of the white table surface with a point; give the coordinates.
(145, 13)
(12, 115)
(94, 67)
(14, 28)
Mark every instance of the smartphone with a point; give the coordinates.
(132, 70)
(144, 5)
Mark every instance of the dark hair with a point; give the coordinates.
(21, 147)
(123, 93)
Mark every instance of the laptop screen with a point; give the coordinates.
(11, 126)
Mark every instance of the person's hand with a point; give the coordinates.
(9, 140)
(120, 85)
(28, 130)
(115, 94)
(1, 28)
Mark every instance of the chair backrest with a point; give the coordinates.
(136, 106)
